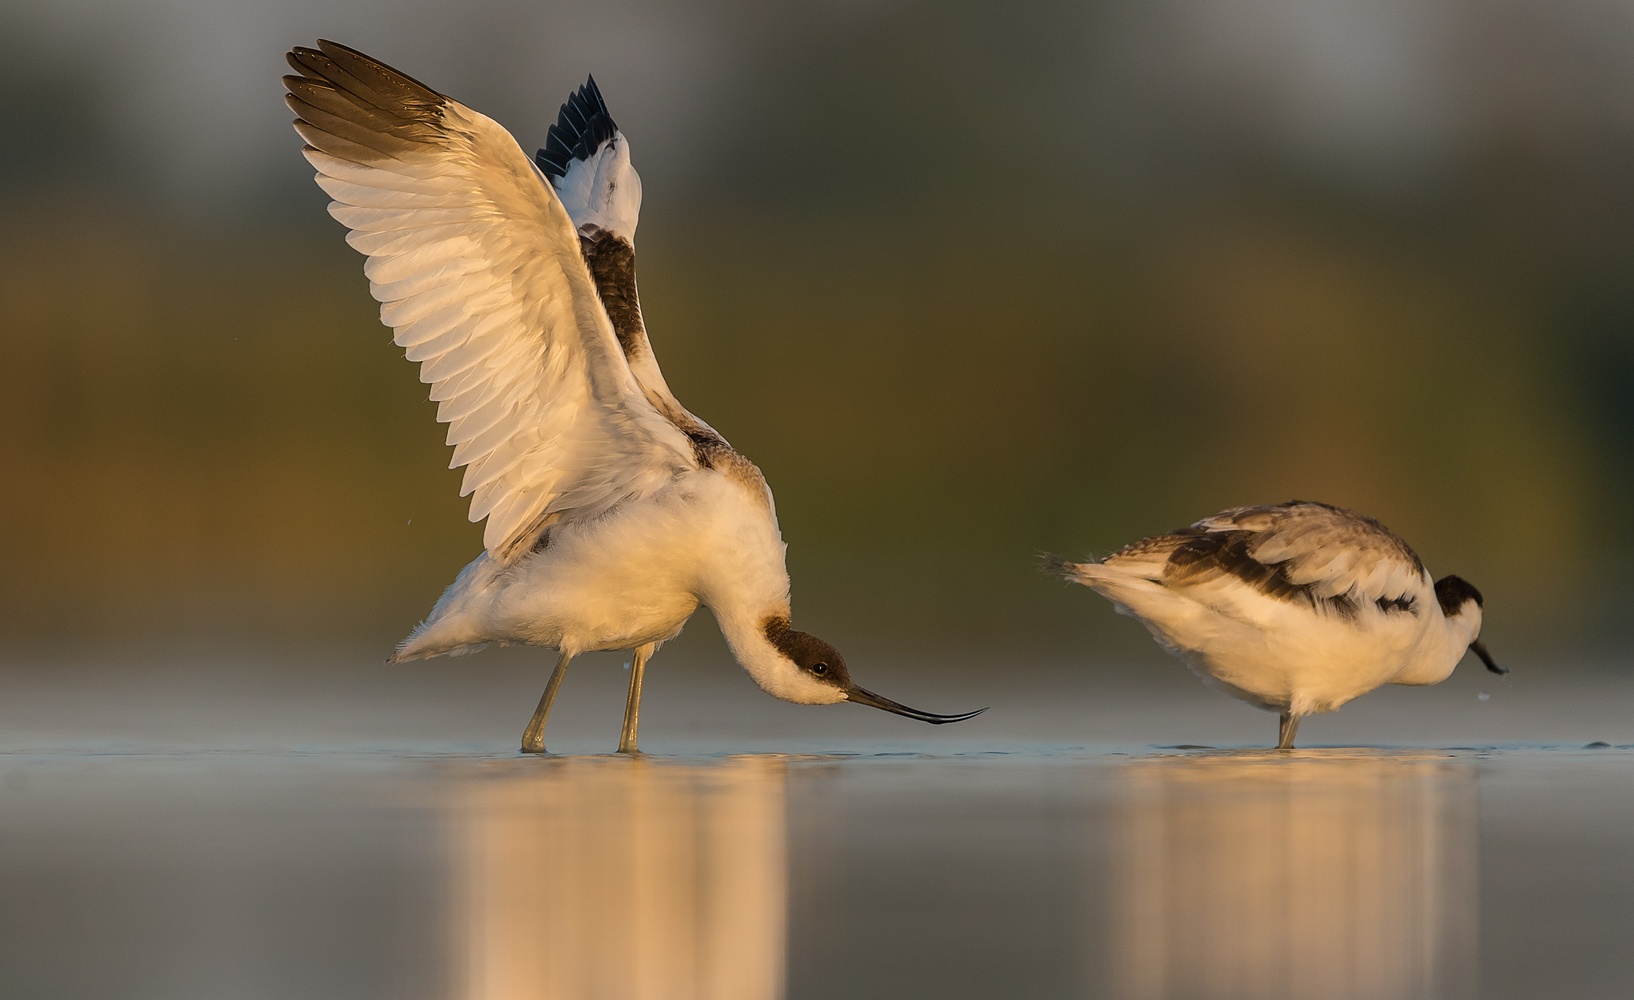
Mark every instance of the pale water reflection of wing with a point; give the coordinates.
(1332, 874)
(626, 880)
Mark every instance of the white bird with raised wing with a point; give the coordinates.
(612, 512)
(1296, 607)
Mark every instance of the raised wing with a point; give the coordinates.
(479, 274)
(1331, 558)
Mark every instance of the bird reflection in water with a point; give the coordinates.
(625, 879)
(1335, 874)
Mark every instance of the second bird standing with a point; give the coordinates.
(1296, 608)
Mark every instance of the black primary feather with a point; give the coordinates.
(582, 126)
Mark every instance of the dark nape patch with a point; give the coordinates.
(1405, 604)
(1452, 591)
(582, 126)
(776, 629)
(1227, 553)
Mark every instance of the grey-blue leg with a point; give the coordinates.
(533, 738)
(1287, 727)
(632, 705)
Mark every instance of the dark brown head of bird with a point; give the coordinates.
(1458, 597)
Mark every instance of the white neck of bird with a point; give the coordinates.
(1444, 647)
(747, 588)
(777, 675)
(1461, 630)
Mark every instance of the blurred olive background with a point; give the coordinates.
(969, 282)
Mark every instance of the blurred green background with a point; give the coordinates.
(968, 282)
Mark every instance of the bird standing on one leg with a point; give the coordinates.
(1296, 607)
(612, 512)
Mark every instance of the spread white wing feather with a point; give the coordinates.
(478, 272)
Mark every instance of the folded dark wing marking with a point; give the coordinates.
(1327, 557)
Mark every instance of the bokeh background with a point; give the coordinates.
(968, 281)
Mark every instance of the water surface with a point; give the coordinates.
(276, 852)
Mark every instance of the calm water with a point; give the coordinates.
(158, 861)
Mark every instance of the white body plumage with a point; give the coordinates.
(632, 578)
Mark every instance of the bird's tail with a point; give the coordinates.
(455, 625)
(1076, 572)
(420, 646)
(1131, 589)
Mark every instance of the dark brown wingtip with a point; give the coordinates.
(358, 108)
(375, 75)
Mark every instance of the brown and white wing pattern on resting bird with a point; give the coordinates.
(1323, 558)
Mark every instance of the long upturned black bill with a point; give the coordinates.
(1479, 649)
(865, 697)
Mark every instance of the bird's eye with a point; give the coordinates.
(819, 669)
